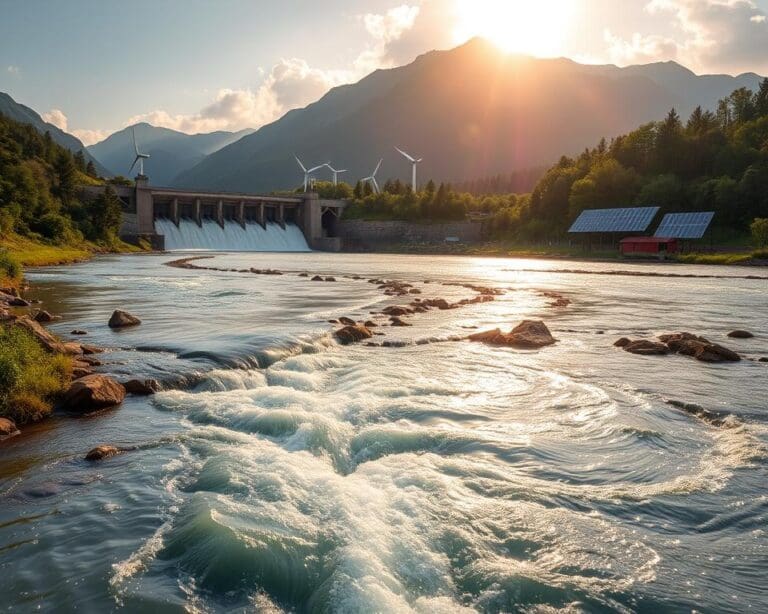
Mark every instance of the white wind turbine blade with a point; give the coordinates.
(344, 170)
(420, 160)
(409, 158)
(378, 166)
(135, 160)
(300, 163)
(375, 185)
(135, 146)
(316, 168)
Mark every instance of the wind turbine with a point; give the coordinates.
(372, 178)
(335, 173)
(140, 157)
(413, 161)
(308, 173)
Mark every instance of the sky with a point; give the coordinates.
(95, 66)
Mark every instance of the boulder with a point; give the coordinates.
(646, 347)
(440, 303)
(699, 348)
(317, 278)
(740, 334)
(528, 334)
(43, 316)
(395, 321)
(397, 310)
(90, 349)
(370, 324)
(18, 302)
(330, 279)
(141, 387)
(347, 321)
(93, 392)
(303, 274)
(102, 452)
(122, 319)
(532, 334)
(7, 428)
(352, 334)
(77, 331)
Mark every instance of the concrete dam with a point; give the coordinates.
(173, 219)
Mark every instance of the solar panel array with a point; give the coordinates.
(629, 219)
(685, 225)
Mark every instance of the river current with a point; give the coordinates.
(280, 471)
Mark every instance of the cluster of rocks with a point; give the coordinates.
(321, 278)
(686, 344)
(556, 299)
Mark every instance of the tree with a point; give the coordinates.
(759, 230)
(761, 98)
(79, 159)
(90, 169)
(358, 191)
(742, 105)
(105, 215)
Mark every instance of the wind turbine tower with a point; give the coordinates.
(336, 173)
(308, 172)
(414, 162)
(140, 157)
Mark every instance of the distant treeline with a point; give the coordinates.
(38, 190)
(713, 161)
(517, 182)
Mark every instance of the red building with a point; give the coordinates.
(648, 246)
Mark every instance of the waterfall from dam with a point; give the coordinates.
(232, 237)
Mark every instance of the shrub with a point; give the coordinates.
(30, 378)
(9, 267)
(759, 229)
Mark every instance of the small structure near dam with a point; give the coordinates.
(251, 221)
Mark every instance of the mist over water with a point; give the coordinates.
(283, 472)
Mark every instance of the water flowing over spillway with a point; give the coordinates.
(231, 237)
(280, 471)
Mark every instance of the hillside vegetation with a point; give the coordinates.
(42, 220)
(713, 161)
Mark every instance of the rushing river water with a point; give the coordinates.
(283, 472)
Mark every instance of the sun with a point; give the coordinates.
(533, 27)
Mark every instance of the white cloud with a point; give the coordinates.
(718, 34)
(639, 49)
(57, 118)
(91, 137)
(290, 84)
(13, 70)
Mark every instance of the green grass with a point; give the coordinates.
(719, 258)
(30, 378)
(10, 270)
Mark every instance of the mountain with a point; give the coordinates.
(23, 114)
(171, 152)
(470, 112)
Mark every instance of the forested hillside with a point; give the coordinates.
(711, 161)
(38, 191)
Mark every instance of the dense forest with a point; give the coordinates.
(713, 161)
(38, 191)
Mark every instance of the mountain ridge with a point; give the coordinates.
(496, 113)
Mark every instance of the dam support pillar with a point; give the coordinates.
(281, 215)
(262, 219)
(310, 220)
(220, 213)
(241, 214)
(175, 211)
(198, 213)
(145, 207)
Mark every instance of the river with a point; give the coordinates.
(283, 472)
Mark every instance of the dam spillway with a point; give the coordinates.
(231, 236)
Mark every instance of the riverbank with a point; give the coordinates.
(498, 249)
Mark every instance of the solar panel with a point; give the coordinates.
(685, 225)
(628, 219)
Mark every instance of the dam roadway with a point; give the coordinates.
(143, 204)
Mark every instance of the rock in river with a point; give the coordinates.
(646, 347)
(352, 334)
(528, 334)
(7, 428)
(102, 452)
(699, 348)
(141, 387)
(122, 319)
(93, 392)
(740, 334)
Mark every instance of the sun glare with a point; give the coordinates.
(533, 27)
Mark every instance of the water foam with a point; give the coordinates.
(231, 237)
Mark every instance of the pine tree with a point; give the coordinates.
(761, 98)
